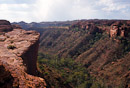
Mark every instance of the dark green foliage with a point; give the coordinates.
(125, 44)
(11, 41)
(96, 85)
(124, 47)
(76, 29)
(74, 73)
(11, 47)
(86, 44)
(96, 37)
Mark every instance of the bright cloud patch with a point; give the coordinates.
(56, 10)
(111, 5)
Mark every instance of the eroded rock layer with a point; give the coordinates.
(18, 56)
(5, 26)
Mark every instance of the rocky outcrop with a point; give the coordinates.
(119, 29)
(18, 57)
(6, 80)
(113, 28)
(87, 26)
(114, 31)
(5, 26)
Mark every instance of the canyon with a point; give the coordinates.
(102, 46)
(91, 53)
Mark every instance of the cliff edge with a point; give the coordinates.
(18, 57)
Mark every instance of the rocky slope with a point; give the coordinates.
(102, 46)
(18, 56)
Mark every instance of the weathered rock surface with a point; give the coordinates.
(6, 80)
(5, 26)
(119, 29)
(89, 26)
(113, 28)
(18, 56)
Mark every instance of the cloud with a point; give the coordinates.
(58, 10)
(64, 10)
(112, 5)
(16, 1)
(14, 12)
(41, 9)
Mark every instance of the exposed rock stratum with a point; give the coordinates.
(18, 57)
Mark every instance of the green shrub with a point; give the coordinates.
(11, 41)
(46, 73)
(72, 72)
(11, 47)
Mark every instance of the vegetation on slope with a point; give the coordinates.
(73, 73)
(87, 52)
(86, 58)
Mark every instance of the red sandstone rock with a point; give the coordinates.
(5, 26)
(113, 28)
(119, 29)
(6, 80)
(85, 25)
(19, 64)
(113, 31)
(4, 22)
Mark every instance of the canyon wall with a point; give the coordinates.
(119, 29)
(18, 58)
(102, 47)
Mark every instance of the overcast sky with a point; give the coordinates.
(60, 10)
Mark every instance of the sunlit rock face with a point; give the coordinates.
(119, 29)
(18, 56)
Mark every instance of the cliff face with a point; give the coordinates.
(6, 78)
(119, 29)
(18, 56)
(32, 60)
